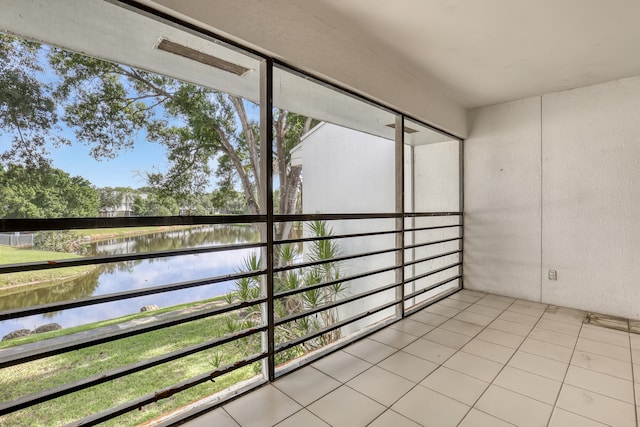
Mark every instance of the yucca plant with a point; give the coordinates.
(288, 255)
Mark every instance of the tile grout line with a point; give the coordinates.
(439, 365)
(376, 364)
(388, 408)
(231, 416)
(418, 383)
(555, 403)
(563, 382)
(505, 364)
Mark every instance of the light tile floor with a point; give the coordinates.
(473, 359)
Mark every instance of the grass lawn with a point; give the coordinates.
(50, 372)
(40, 375)
(10, 255)
(87, 327)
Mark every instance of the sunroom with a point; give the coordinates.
(319, 213)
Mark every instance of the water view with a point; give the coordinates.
(139, 274)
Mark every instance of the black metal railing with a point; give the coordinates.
(370, 302)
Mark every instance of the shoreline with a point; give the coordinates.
(90, 238)
(18, 287)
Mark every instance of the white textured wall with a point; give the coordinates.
(436, 189)
(552, 183)
(502, 200)
(591, 197)
(436, 177)
(346, 171)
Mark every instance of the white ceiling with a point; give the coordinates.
(431, 59)
(483, 52)
(104, 30)
(479, 52)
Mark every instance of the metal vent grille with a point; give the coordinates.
(407, 129)
(195, 55)
(612, 322)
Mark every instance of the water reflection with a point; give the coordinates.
(138, 274)
(177, 239)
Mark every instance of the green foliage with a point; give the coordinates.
(45, 192)
(206, 134)
(60, 241)
(226, 200)
(110, 105)
(154, 205)
(300, 278)
(27, 106)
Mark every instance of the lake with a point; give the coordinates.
(139, 274)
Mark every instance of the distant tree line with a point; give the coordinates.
(48, 192)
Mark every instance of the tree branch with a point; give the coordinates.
(134, 74)
(251, 140)
(228, 148)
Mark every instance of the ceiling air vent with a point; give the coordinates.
(187, 52)
(407, 129)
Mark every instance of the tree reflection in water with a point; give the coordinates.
(137, 274)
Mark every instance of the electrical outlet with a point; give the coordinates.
(553, 275)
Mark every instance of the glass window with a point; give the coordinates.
(432, 185)
(342, 153)
(149, 120)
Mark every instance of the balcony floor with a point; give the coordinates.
(473, 359)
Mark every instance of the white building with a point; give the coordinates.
(349, 171)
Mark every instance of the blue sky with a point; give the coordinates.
(126, 170)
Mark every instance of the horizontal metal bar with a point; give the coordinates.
(166, 392)
(322, 331)
(63, 305)
(105, 259)
(426, 214)
(430, 287)
(31, 400)
(333, 216)
(435, 242)
(8, 356)
(438, 227)
(333, 237)
(423, 304)
(44, 396)
(40, 224)
(333, 282)
(334, 304)
(340, 216)
(337, 259)
(369, 331)
(432, 272)
(430, 258)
